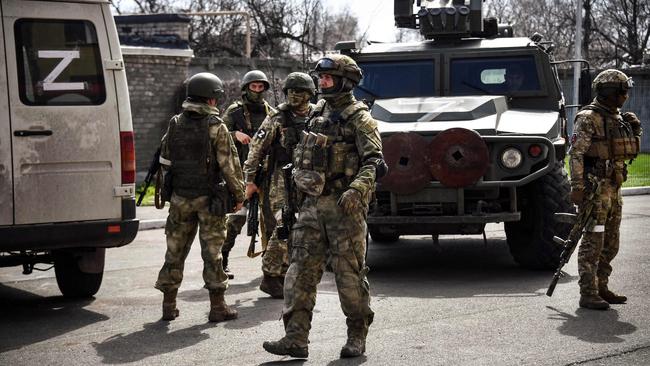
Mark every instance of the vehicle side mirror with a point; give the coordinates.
(584, 87)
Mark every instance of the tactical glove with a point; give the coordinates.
(634, 121)
(350, 201)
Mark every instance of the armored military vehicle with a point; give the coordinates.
(473, 123)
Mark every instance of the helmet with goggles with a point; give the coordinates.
(611, 82)
(299, 81)
(339, 65)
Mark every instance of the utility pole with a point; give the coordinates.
(578, 53)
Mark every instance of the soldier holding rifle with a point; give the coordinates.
(602, 141)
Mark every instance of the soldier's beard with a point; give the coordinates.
(298, 101)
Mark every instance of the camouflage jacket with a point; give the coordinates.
(222, 146)
(270, 136)
(359, 127)
(590, 142)
(245, 117)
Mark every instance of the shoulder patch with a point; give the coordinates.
(364, 122)
(260, 134)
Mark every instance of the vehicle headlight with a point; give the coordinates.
(511, 158)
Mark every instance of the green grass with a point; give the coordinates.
(148, 197)
(638, 173)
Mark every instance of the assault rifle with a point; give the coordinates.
(289, 208)
(584, 219)
(253, 220)
(154, 167)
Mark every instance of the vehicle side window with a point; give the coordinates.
(59, 62)
(397, 79)
(493, 75)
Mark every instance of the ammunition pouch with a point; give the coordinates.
(222, 201)
(309, 182)
(167, 188)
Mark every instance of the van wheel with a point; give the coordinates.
(531, 239)
(380, 237)
(73, 276)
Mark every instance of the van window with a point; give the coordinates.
(62, 68)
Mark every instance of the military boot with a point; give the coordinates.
(594, 302)
(169, 310)
(285, 347)
(219, 310)
(273, 286)
(611, 297)
(356, 343)
(224, 264)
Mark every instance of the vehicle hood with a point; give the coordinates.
(488, 115)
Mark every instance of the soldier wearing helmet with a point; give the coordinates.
(335, 167)
(200, 158)
(274, 142)
(603, 140)
(243, 118)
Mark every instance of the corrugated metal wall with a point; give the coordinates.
(638, 102)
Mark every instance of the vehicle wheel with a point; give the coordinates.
(531, 239)
(383, 237)
(72, 280)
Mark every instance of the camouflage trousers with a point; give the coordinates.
(322, 228)
(600, 244)
(275, 261)
(186, 215)
(234, 224)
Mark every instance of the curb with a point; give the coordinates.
(160, 223)
(152, 224)
(635, 191)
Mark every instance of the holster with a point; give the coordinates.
(221, 201)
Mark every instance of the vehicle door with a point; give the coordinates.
(6, 185)
(63, 112)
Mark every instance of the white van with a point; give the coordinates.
(67, 160)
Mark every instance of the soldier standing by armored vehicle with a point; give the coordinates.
(200, 158)
(276, 139)
(603, 139)
(336, 165)
(243, 118)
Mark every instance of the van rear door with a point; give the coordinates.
(6, 185)
(63, 112)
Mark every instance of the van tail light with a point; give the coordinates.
(127, 149)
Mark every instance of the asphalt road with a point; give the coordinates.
(462, 303)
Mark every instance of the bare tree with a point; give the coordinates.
(624, 26)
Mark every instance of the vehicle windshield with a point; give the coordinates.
(383, 80)
(493, 76)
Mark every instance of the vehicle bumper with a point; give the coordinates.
(92, 234)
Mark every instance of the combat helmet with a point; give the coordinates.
(339, 65)
(206, 85)
(253, 76)
(299, 80)
(610, 82)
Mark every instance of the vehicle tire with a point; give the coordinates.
(531, 239)
(72, 281)
(382, 237)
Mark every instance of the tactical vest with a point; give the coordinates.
(613, 138)
(189, 150)
(329, 146)
(248, 117)
(292, 127)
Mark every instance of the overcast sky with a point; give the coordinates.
(375, 17)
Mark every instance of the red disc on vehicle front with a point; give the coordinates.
(405, 155)
(458, 157)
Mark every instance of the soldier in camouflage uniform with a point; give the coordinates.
(275, 140)
(199, 156)
(243, 118)
(603, 139)
(336, 165)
